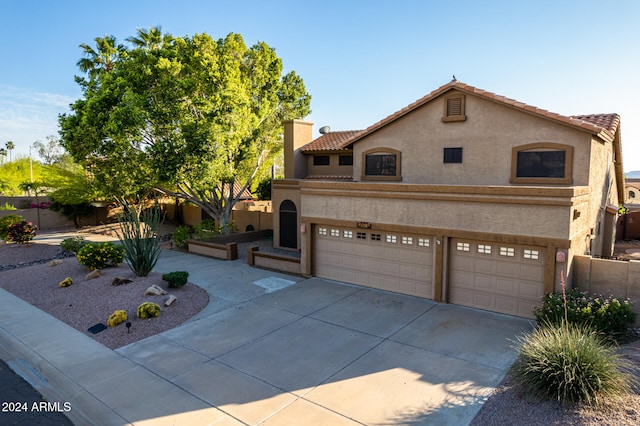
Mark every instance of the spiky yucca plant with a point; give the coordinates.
(138, 235)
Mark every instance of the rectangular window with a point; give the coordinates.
(507, 251)
(462, 246)
(453, 155)
(391, 239)
(531, 254)
(484, 249)
(407, 240)
(322, 231)
(335, 232)
(375, 237)
(345, 160)
(541, 164)
(320, 160)
(347, 234)
(424, 242)
(380, 165)
(361, 235)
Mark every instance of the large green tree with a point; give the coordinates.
(193, 117)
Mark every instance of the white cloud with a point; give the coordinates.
(27, 116)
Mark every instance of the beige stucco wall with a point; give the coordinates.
(333, 169)
(486, 136)
(432, 207)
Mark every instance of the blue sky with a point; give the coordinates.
(360, 60)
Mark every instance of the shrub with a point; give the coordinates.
(571, 363)
(148, 310)
(208, 228)
(6, 222)
(176, 279)
(8, 206)
(138, 235)
(117, 317)
(100, 255)
(73, 244)
(181, 234)
(66, 282)
(607, 315)
(21, 232)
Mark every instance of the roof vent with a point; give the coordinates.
(325, 129)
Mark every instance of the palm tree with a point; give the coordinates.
(3, 153)
(10, 147)
(151, 39)
(103, 58)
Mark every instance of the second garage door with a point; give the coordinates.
(397, 262)
(497, 277)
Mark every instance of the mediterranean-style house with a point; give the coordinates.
(463, 196)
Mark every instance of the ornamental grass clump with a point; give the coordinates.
(138, 235)
(100, 255)
(572, 363)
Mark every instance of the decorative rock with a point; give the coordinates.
(120, 281)
(154, 290)
(93, 274)
(66, 282)
(170, 300)
(55, 262)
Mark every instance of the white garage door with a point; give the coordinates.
(401, 263)
(497, 277)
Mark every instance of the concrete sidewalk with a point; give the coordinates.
(271, 349)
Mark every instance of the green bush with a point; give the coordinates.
(73, 244)
(148, 310)
(181, 235)
(100, 255)
(207, 228)
(607, 315)
(6, 222)
(571, 363)
(176, 279)
(8, 206)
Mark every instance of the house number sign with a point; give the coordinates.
(363, 225)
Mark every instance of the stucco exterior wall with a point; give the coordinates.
(416, 206)
(333, 169)
(486, 136)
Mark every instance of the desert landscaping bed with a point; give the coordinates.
(89, 302)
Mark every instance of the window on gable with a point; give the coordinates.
(345, 160)
(381, 164)
(632, 194)
(542, 163)
(453, 155)
(454, 108)
(320, 160)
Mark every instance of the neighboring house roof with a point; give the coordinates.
(602, 125)
(332, 141)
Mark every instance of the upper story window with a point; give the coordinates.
(345, 160)
(541, 163)
(320, 160)
(453, 155)
(381, 164)
(454, 108)
(632, 194)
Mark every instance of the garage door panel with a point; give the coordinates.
(505, 278)
(403, 266)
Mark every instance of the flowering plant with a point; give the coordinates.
(21, 232)
(100, 255)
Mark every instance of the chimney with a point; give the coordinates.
(297, 133)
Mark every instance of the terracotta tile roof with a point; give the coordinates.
(602, 125)
(331, 141)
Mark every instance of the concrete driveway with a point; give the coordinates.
(278, 350)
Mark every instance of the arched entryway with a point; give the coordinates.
(288, 224)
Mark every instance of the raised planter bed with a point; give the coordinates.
(228, 251)
(273, 261)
